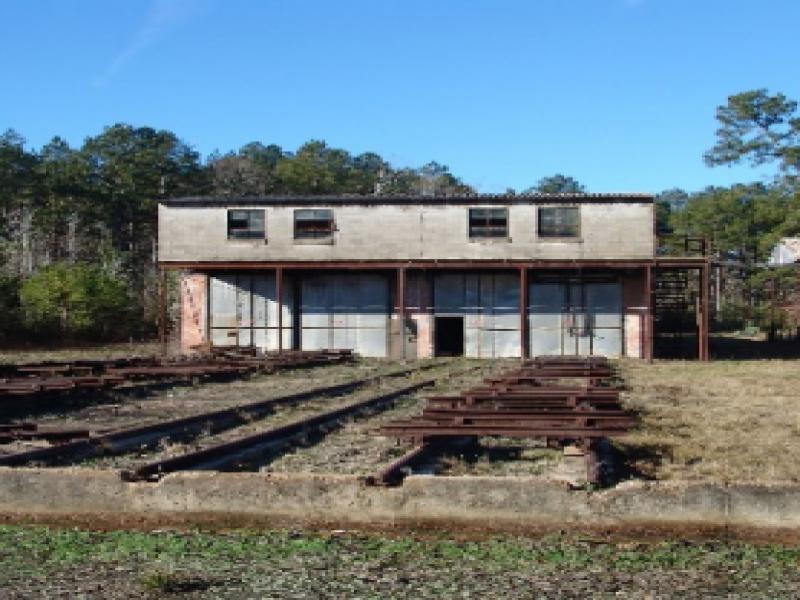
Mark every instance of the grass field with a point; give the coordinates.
(724, 421)
(37, 562)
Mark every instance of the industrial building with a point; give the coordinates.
(414, 277)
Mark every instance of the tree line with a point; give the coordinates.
(78, 234)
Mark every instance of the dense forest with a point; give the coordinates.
(78, 246)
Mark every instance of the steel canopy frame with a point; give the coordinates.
(400, 268)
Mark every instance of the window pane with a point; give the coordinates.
(559, 221)
(245, 224)
(310, 223)
(488, 222)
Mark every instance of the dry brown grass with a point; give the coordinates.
(725, 421)
(109, 351)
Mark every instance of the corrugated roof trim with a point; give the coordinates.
(412, 199)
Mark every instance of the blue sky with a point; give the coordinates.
(620, 94)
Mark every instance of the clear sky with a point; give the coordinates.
(619, 94)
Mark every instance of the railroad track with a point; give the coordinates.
(258, 446)
(32, 380)
(525, 402)
(148, 436)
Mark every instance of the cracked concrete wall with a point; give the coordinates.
(480, 501)
(608, 230)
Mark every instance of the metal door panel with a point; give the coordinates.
(604, 303)
(316, 339)
(486, 343)
(545, 342)
(343, 339)
(371, 342)
(471, 343)
(223, 337)
(506, 344)
(449, 293)
(223, 301)
(473, 321)
(316, 309)
(244, 316)
(607, 342)
(245, 337)
(261, 338)
(371, 320)
(263, 300)
(509, 321)
(506, 294)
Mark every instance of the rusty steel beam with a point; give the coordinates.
(125, 440)
(703, 314)
(523, 313)
(279, 301)
(435, 431)
(475, 264)
(395, 471)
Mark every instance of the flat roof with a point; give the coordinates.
(374, 200)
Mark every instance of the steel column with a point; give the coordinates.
(401, 308)
(703, 320)
(523, 312)
(648, 314)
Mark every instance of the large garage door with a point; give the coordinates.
(575, 318)
(244, 311)
(345, 311)
(489, 303)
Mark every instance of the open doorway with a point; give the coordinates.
(449, 340)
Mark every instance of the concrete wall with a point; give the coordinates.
(486, 502)
(609, 230)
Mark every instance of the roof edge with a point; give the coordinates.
(344, 199)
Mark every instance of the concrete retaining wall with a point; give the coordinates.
(481, 501)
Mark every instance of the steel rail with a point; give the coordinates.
(123, 440)
(225, 455)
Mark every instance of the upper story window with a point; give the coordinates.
(488, 222)
(313, 224)
(245, 224)
(559, 221)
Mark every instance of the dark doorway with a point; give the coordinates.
(449, 336)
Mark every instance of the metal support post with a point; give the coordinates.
(279, 301)
(523, 313)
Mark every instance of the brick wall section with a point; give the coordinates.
(194, 305)
(634, 301)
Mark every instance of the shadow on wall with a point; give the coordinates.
(731, 348)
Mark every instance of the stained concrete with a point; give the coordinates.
(608, 230)
(477, 501)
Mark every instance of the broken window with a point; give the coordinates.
(488, 222)
(313, 224)
(245, 224)
(559, 221)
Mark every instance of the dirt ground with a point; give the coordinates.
(39, 562)
(722, 421)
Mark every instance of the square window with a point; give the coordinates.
(559, 221)
(246, 224)
(488, 222)
(313, 224)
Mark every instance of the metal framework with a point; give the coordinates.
(400, 268)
